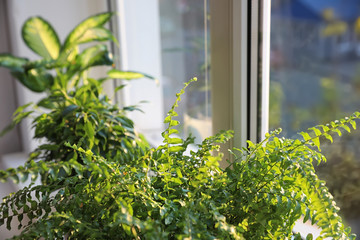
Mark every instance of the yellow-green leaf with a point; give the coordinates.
(316, 131)
(175, 140)
(84, 32)
(175, 148)
(353, 124)
(124, 75)
(93, 56)
(346, 128)
(40, 37)
(316, 141)
(329, 137)
(305, 135)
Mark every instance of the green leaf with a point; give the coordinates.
(316, 131)
(8, 223)
(316, 141)
(69, 109)
(173, 123)
(40, 37)
(128, 75)
(20, 217)
(17, 119)
(89, 30)
(51, 147)
(173, 131)
(46, 103)
(174, 140)
(96, 34)
(94, 56)
(11, 62)
(168, 219)
(309, 236)
(119, 87)
(15, 178)
(329, 137)
(114, 73)
(346, 128)
(250, 144)
(89, 129)
(37, 80)
(178, 172)
(167, 119)
(307, 216)
(21, 108)
(353, 124)
(175, 149)
(337, 131)
(44, 63)
(305, 135)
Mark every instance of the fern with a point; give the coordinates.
(167, 194)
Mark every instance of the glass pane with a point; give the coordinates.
(185, 54)
(170, 41)
(315, 78)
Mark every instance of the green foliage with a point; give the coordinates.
(73, 111)
(100, 181)
(169, 194)
(77, 110)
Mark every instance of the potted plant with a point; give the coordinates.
(74, 108)
(100, 180)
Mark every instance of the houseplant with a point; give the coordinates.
(107, 184)
(76, 110)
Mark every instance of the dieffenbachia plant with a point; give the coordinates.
(77, 109)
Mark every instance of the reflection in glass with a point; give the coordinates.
(315, 78)
(185, 54)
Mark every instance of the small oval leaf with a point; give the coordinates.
(69, 109)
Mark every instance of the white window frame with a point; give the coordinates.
(240, 102)
(240, 38)
(237, 102)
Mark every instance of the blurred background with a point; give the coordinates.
(314, 79)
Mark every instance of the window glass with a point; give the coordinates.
(315, 78)
(170, 41)
(185, 54)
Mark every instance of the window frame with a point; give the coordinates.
(240, 43)
(240, 50)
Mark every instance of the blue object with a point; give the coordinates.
(345, 10)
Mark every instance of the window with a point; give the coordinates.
(171, 41)
(314, 78)
(168, 40)
(241, 93)
(240, 38)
